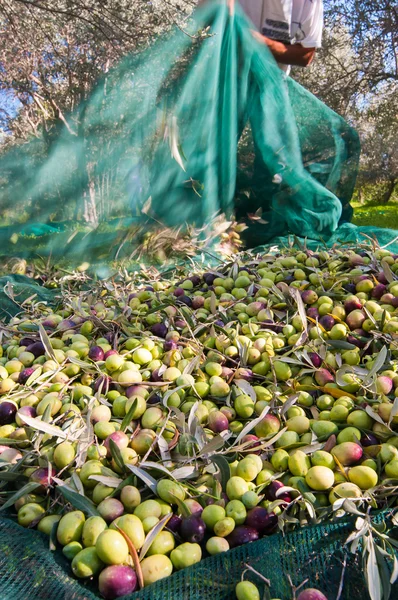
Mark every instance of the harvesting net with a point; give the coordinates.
(28, 570)
(194, 126)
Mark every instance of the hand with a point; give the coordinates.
(258, 36)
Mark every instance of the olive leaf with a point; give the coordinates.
(153, 533)
(116, 455)
(129, 416)
(252, 424)
(112, 482)
(246, 388)
(149, 481)
(77, 500)
(223, 466)
(44, 427)
(26, 489)
(372, 573)
(45, 340)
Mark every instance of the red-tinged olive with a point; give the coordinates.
(217, 421)
(315, 359)
(96, 353)
(116, 581)
(272, 489)
(259, 518)
(352, 303)
(323, 376)
(25, 374)
(378, 291)
(311, 594)
(313, 312)
(119, 438)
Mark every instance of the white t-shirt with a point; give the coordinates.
(289, 21)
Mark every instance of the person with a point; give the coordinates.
(292, 29)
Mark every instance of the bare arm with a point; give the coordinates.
(295, 54)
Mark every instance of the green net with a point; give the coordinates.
(28, 570)
(201, 123)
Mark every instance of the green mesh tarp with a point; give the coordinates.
(29, 571)
(201, 123)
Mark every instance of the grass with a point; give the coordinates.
(376, 215)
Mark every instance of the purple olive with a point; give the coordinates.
(309, 296)
(104, 382)
(272, 489)
(350, 288)
(119, 438)
(155, 375)
(154, 399)
(260, 519)
(209, 278)
(135, 389)
(226, 373)
(49, 323)
(355, 319)
(394, 302)
(196, 280)
(37, 349)
(179, 292)
(174, 524)
(368, 439)
(378, 291)
(313, 312)
(179, 323)
(387, 298)
(315, 359)
(242, 535)
(194, 507)
(250, 437)
(26, 341)
(327, 322)
(116, 581)
(7, 412)
(382, 278)
(96, 353)
(25, 374)
(170, 345)
(109, 353)
(66, 324)
(358, 338)
(185, 300)
(193, 529)
(159, 329)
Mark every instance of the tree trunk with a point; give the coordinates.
(390, 190)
